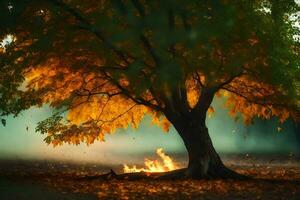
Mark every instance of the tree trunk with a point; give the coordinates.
(204, 161)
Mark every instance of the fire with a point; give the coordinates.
(167, 164)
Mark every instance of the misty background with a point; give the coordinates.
(132, 145)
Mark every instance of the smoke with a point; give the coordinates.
(18, 140)
(263, 136)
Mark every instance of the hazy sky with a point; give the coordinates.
(228, 136)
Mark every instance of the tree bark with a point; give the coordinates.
(204, 161)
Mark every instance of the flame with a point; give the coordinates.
(167, 164)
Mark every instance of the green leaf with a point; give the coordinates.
(3, 121)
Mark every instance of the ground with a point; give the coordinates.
(273, 179)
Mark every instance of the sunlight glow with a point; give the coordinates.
(7, 40)
(10, 7)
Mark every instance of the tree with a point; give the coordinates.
(103, 65)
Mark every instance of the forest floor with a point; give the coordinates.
(22, 180)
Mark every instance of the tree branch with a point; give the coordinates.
(229, 80)
(258, 102)
(128, 94)
(88, 26)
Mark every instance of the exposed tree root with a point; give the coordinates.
(226, 173)
(221, 173)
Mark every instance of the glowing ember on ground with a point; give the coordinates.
(167, 164)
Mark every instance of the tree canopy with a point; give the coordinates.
(104, 65)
